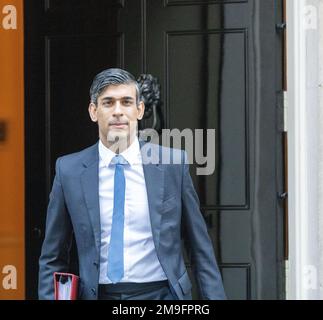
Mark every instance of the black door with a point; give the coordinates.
(219, 66)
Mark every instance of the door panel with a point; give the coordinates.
(212, 99)
(219, 66)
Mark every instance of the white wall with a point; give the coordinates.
(320, 150)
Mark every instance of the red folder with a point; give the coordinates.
(66, 286)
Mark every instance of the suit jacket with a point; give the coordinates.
(173, 205)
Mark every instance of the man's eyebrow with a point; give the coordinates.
(112, 98)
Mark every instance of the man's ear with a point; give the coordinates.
(92, 111)
(141, 110)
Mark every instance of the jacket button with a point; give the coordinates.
(95, 264)
(93, 291)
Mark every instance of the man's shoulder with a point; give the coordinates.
(84, 156)
(163, 154)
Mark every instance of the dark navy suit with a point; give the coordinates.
(173, 203)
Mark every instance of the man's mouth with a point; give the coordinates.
(119, 124)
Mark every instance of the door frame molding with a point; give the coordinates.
(303, 104)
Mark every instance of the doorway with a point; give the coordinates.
(219, 64)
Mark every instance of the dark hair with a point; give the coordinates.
(113, 76)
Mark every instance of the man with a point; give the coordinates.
(126, 209)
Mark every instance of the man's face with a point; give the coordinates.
(117, 113)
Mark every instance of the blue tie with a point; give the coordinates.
(115, 255)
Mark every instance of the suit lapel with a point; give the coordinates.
(90, 186)
(154, 177)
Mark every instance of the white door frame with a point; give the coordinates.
(303, 129)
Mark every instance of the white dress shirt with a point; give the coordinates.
(141, 263)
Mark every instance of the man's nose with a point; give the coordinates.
(117, 108)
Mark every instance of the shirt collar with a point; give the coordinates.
(131, 154)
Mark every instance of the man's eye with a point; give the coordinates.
(127, 102)
(107, 103)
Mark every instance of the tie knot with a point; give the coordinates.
(119, 159)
